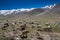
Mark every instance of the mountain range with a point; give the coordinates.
(50, 12)
(5, 12)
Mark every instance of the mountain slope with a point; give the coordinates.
(50, 15)
(55, 11)
(37, 14)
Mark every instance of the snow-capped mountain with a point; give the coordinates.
(5, 12)
(49, 6)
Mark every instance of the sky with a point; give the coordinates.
(15, 4)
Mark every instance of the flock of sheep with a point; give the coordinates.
(25, 31)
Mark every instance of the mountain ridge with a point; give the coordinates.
(5, 12)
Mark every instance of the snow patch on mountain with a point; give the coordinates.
(5, 12)
(49, 6)
(26, 9)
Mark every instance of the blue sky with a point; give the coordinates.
(15, 4)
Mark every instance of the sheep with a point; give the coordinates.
(13, 23)
(48, 29)
(24, 34)
(23, 27)
(5, 26)
(31, 22)
(33, 26)
(38, 36)
(39, 28)
(20, 22)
